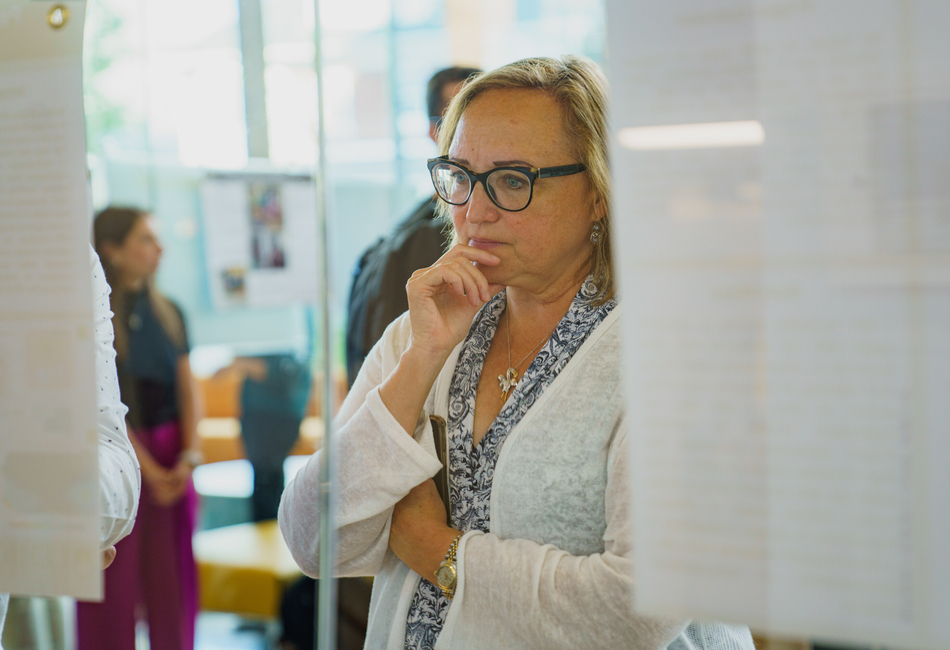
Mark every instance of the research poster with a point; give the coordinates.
(49, 499)
(782, 186)
(260, 237)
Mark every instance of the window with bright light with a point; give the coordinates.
(158, 83)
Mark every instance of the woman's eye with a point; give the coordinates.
(514, 182)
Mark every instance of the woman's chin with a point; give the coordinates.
(494, 274)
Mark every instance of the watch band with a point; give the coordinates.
(446, 577)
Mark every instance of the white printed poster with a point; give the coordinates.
(782, 186)
(260, 240)
(49, 525)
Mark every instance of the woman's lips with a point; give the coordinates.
(484, 244)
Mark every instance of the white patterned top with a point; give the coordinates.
(471, 470)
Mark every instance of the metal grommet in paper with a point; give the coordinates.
(57, 16)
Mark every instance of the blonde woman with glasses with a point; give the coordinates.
(512, 338)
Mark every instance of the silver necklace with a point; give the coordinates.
(509, 380)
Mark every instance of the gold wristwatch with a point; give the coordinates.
(446, 576)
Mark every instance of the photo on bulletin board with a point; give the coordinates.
(267, 226)
(260, 239)
(232, 280)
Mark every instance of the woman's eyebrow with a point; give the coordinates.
(496, 163)
(510, 163)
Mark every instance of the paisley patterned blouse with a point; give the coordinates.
(471, 470)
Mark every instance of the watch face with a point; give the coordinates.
(446, 576)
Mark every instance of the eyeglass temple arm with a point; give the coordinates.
(563, 170)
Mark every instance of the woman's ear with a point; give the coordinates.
(599, 208)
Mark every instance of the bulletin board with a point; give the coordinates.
(260, 239)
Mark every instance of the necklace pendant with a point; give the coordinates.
(507, 381)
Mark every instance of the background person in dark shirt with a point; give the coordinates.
(378, 292)
(274, 392)
(377, 297)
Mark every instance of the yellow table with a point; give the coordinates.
(244, 569)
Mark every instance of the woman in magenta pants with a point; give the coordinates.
(154, 575)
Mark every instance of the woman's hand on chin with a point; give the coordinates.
(444, 298)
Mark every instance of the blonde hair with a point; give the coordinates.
(578, 85)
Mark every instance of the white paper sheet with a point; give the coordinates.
(788, 314)
(49, 526)
(260, 240)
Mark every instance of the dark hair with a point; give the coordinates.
(435, 104)
(112, 226)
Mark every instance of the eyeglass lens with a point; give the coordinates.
(508, 188)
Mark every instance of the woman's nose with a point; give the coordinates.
(480, 207)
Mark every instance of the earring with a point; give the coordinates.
(595, 234)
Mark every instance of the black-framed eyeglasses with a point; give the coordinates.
(510, 188)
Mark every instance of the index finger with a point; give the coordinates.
(473, 254)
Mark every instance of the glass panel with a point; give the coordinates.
(165, 102)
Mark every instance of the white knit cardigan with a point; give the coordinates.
(555, 571)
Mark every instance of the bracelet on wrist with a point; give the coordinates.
(193, 457)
